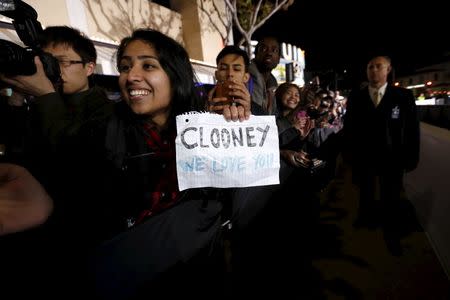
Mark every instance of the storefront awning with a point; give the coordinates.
(204, 71)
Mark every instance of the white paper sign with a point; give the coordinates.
(212, 152)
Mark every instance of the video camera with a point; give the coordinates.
(15, 60)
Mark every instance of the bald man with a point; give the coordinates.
(382, 128)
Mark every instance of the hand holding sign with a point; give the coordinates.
(213, 153)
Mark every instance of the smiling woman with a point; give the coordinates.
(167, 235)
(166, 227)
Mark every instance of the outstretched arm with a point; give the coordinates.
(23, 201)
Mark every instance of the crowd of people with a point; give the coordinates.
(97, 190)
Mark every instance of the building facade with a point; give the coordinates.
(107, 22)
(431, 82)
(203, 27)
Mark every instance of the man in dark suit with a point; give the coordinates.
(382, 128)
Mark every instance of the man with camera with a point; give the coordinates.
(66, 111)
(63, 123)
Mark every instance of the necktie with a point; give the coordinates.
(376, 98)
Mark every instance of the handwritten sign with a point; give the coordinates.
(212, 152)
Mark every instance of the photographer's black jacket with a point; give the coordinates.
(54, 137)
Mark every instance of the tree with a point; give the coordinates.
(116, 19)
(221, 21)
(250, 15)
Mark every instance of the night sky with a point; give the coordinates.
(338, 36)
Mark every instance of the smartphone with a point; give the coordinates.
(223, 90)
(302, 114)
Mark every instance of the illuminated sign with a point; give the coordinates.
(293, 54)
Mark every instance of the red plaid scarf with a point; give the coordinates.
(165, 192)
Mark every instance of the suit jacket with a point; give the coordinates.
(384, 138)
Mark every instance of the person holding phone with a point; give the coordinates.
(230, 96)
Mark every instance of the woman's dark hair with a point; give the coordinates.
(174, 60)
(281, 90)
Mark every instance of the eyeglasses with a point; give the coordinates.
(68, 63)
